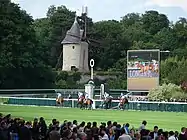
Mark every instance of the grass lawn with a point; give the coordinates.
(165, 120)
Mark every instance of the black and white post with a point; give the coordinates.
(92, 63)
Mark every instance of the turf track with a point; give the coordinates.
(165, 120)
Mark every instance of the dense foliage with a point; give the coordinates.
(29, 49)
(167, 92)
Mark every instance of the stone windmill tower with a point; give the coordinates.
(75, 48)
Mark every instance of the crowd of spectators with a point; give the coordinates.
(18, 129)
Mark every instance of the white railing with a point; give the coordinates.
(147, 102)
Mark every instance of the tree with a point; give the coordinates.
(166, 39)
(173, 70)
(21, 63)
(42, 28)
(130, 19)
(153, 22)
(113, 43)
(51, 31)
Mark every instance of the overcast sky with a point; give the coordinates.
(108, 9)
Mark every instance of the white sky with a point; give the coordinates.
(108, 9)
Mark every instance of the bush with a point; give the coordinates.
(167, 92)
(62, 75)
(61, 84)
(65, 80)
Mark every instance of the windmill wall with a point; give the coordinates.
(75, 56)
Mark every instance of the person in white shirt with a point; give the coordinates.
(124, 136)
(172, 136)
(86, 96)
(144, 123)
(104, 136)
(106, 95)
(69, 96)
(80, 94)
(59, 95)
(122, 97)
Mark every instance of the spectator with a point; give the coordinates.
(172, 136)
(132, 134)
(111, 134)
(88, 131)
(109, 125)
(42, 128)
(54, 134)
(124, 136)
(154, 134)
(95, 129)
(126, 127)
(81, 127)
(74, 123)
(103, 134)
(3, 131)
(182, 134)
(144, 123)
(146, 135)
(35, 129)
(114, 125)
(17, 129)
(24, 132)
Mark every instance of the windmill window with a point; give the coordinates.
(73, 47)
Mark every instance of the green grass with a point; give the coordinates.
(165, 120)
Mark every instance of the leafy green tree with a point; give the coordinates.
(153, 21)
(59, 20)
(130, 19)
(21, 62)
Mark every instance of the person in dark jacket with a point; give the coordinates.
(24, 132)
(182, 135)
(42, 128)
(4, 133)
(154, 134)
(35, 129)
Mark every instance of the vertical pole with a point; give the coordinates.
(92, 65)
(92, 86)
(91, 73)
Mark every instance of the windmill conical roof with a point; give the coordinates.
(73, 36)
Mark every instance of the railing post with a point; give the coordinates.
(73, 106)
(93, 105)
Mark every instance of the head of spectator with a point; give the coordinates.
(35, 121)
(88, 125)
(75, 123)
(3, 125)
(171, 135)
(54, 121)
(176, 133)
(144, 123)
(28, 125)
(132, 133)
(111, 132)
(109, 124)
(156, 129)
(183, 130)
(94, 124)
